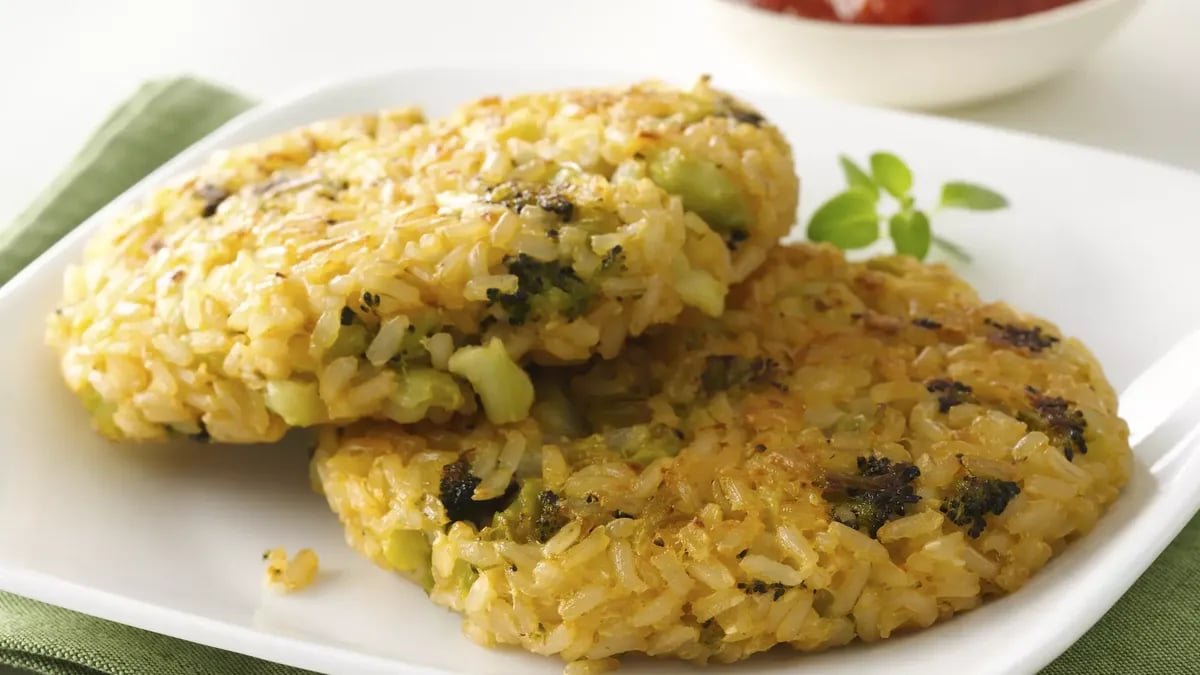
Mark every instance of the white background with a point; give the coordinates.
(65, 63)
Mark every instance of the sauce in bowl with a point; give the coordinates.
(911, 12)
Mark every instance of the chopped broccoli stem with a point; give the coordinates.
(298, 403)
(464, 575)
(352, 340)
(881, 491)
(409, 552)
(503, 387)
(701, 290)
(703, 187)
(973, 498)
(420, 389)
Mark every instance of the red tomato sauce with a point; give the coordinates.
(911, 12)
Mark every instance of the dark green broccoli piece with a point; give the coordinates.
(457, 486)
(973, 498)
(950, 393)
(1055, 417)
(535, 514)
(614, 259)
(725, 371)
(544, 289)
(517, 196)
(759, 587)
(879, 492)
(1033, 339)
(549, 517)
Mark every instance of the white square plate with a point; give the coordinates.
(171, 541)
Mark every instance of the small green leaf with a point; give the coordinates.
(911, 233)
(847, 221)
(959, 195)
(952, 249)
(857, 178)
(892, 173)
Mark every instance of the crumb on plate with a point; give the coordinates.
(288, 576)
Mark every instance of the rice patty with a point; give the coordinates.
(849, 451)
(334, 272)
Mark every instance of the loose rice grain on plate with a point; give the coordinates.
(379, 267)
(851, 450)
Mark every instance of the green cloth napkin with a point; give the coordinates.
(1155, 628)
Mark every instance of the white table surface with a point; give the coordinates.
(65, 63)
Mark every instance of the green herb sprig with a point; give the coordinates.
(856, 217)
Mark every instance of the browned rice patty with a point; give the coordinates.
(380, 267)
(851, 450)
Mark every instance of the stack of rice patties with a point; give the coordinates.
(567, 381)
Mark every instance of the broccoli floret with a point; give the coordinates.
(950, 393)
(973, 498)
(517, 196)
(456, 488)
(725, 371)
(1055, 417)
(879, 492)
(544, 289)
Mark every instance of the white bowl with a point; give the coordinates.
(917, 66)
